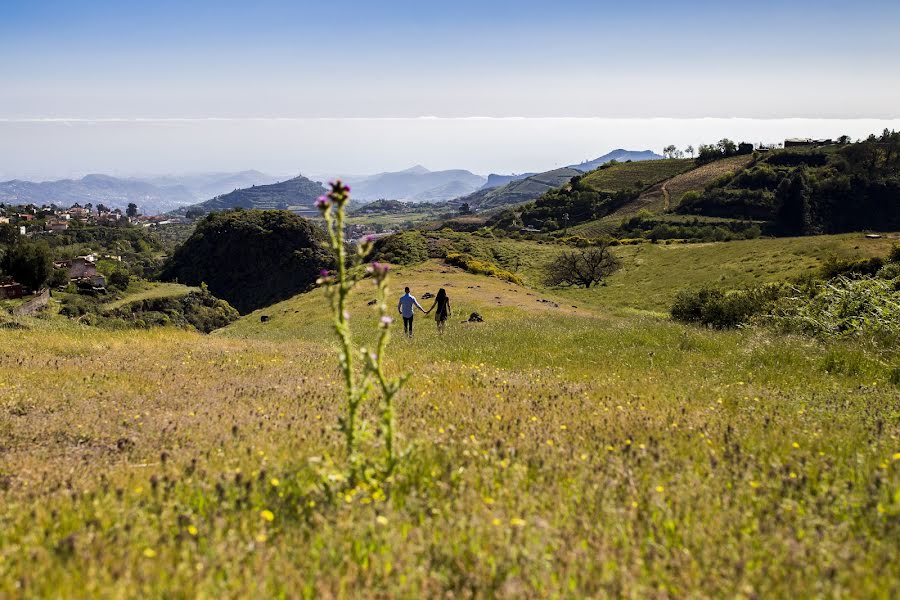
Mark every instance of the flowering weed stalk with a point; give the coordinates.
(358, 383)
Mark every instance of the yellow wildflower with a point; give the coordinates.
(267, 515)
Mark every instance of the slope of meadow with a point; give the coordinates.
(551, 451)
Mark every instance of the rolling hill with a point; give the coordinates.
(297, 195)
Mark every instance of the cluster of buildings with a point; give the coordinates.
(82, 270)
(33, 218)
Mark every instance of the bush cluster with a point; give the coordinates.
(480, 267)
(406, 248)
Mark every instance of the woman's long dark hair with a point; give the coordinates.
(441, 297)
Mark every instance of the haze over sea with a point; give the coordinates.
(41, 149)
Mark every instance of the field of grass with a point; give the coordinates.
(639, 174)
(150, 291)
(665, 195)
(652, 274)
(551, 451)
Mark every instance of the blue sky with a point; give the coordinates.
(67, 67)
(569, 58)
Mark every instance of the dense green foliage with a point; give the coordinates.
(29, 263)
(722, 310)
(251, 258)
(404, 248)
(695, 230)
(810, 191)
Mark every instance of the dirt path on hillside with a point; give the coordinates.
(665, 196)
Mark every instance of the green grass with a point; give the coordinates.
(552, 451)
(150, 291)
(642, 174)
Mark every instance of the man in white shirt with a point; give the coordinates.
(406, 307)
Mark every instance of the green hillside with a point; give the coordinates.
(210, 465)
(665, 195)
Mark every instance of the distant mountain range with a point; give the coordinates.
(152, 194)
(516, 189)
(416, 184)
(297, 195)
(253, 189)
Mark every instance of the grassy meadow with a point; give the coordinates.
(574, 444)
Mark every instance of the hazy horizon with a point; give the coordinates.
(55, 149)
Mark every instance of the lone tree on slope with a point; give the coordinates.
(581, 267)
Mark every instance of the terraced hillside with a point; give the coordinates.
(297, 195)
(664, 195)
(635, 175)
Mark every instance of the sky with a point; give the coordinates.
(343, 86)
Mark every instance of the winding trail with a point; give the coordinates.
(665, 195)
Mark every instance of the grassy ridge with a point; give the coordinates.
(553, 450)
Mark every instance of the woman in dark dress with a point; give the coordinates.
(442, 303)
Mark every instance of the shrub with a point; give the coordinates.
(480, 267)
(407, 248)
(867, 307)
(723, 310)
(835, 267)
(894, 254)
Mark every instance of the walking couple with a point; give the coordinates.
(408, 304)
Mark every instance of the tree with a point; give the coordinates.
(726, 147)
(193, 213)
(101, 209)
(581, 267)
(793, 196)
(29, 263)
(120, 279)
(132, 210)
(465, 209)
(9, 234)
(690, 150)
(669, 151)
